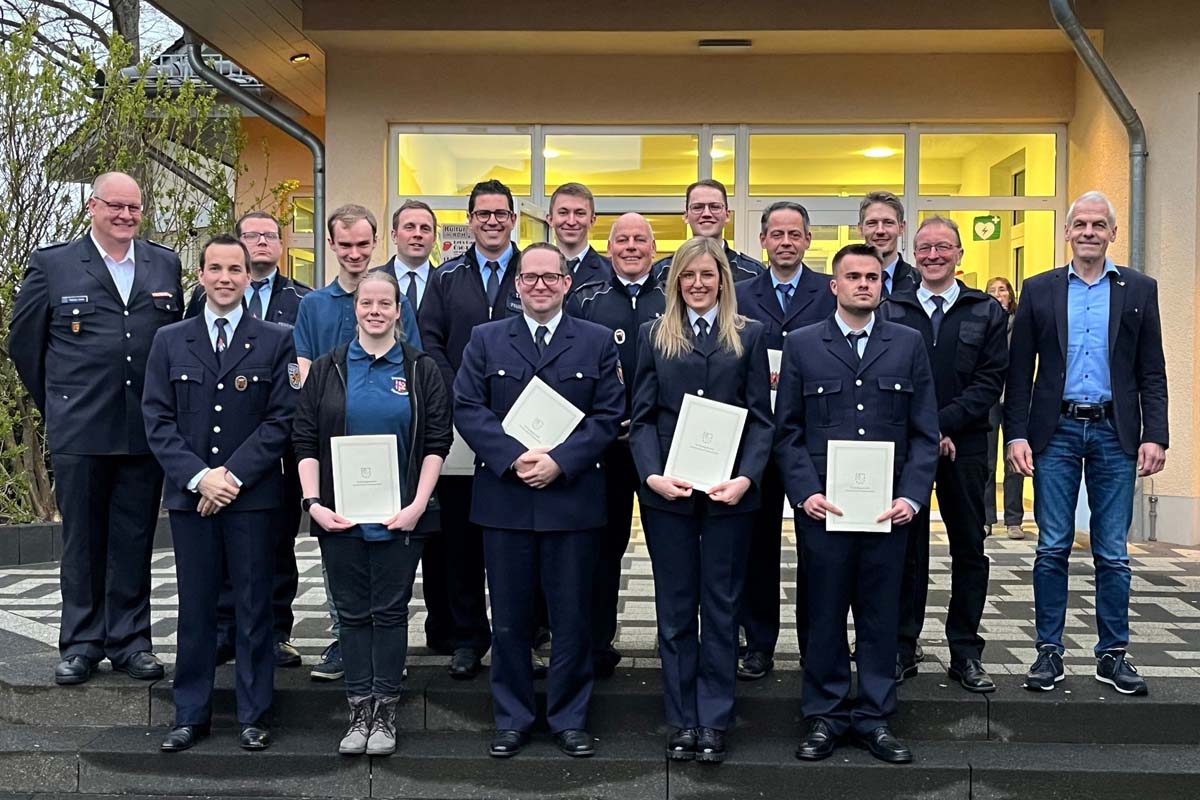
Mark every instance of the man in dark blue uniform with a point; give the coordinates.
(273, 297)
(621, 303)
(572, 216)
(414, 232)
(706, 210)
(786, 297)
(81, 329)
(881, 223)
(538, 506)
(220, 393)
(966, 336)
(467, 291)
(854, 377)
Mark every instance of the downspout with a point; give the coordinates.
(1064, 15)
(285, 124)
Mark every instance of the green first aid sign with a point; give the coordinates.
(985, 229)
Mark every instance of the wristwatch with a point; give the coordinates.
(309, 502)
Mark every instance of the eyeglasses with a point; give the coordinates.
(530, 279)
(117, 208)
(249, 237)
(942, 248)
(483, 215)
(698, 208)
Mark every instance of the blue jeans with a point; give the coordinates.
(1091, 450)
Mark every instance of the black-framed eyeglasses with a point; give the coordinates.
(698, 208)
(942, 248)
(530, 279)
(483, 215)
(250, 237)
(117, 208)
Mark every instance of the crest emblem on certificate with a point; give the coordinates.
(619, 336)
(399, 385)
(860, 479)
(294, 375)
(240, 383)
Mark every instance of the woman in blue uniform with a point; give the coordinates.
(698, 542)
(376, 384)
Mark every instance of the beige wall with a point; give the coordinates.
(270, 157)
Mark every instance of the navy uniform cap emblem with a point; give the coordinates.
(619, 336)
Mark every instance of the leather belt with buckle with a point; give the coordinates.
(1092, 412)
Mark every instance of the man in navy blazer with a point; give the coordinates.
(540, 509)
(81, 330)
(220, 393)
(854, 377)
(1097, 406)
(785, 298)
(572, 216)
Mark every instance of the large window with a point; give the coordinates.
(614, 165)
(836, 165)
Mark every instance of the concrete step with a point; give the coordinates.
(125, 762)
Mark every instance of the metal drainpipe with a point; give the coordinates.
(1064, 15)
(285, 124)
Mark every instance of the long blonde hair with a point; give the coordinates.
(672, 333)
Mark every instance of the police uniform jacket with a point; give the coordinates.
(286, 294)
(744, 267)
(1137, 369)
(455, 302)
(969, 360)
(580, 363)
(714, 373)
(905, 277)
(237, 415)
(321, 415)
(812, 301)
(824, 395)
(608, 303)
(81, 352)
(594, 268)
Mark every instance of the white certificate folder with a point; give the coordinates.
(860, 484)
(541, 417)
(705, 444)
(366, 477)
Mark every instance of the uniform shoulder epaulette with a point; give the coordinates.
(52, 246)
(159, 245)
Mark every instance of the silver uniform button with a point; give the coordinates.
(216, 450)
(500, 372)
(75, 311)
(129, 383)
(785, 333)
(127, 313)
(216, 408)
(860, 406)
(129, 358)
(858, 382)
(820, 390)
(127, 335)
(255, 379)
(700, 393)
(578, 374)
(216, 428)
(862, 432)
(220, 386)
(897, 387)
(183, 377)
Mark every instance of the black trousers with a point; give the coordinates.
(109, 507)
(242, 541)
(960, 487)
(285, 580)
(1014, 482)
(620, 488)
(760, 599)
(453, 575)
(859, 572)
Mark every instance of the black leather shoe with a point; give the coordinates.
(506, 744)
(254, 736)
(884, 746)
(464, 664)
(710, 746)
(604, 662)
(576, 742)
(972, 676)
(144, 666)
(286, 655)
(682, 744)
(754, 666)
(905, 670)
(818, 743)
(182, 737)
(73, 670)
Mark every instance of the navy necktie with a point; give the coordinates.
(572, 264)
(410, 291)
(633, 289)
(493, 282)
(222, 341)
(255, 307)
(854, 339)
(938, 315)
(539, 338)
(701, 330)
(785, 295)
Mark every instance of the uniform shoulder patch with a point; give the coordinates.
(294, 375)
(52, 246)
(159, 245)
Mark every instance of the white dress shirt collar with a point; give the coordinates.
(210, 319)
(551, 325)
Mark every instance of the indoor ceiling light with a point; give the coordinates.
(717, 153)
(879, 152)
(299, 58)
(550, 152)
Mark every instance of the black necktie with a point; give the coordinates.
(410, 291)
(539, 338)
(493, 282)
(572, 264)
(222, 342)
(255, 308)
(785, 295)
(633, 289)
(701, 330)
(887, 283)
(937, 316)
(854, 339)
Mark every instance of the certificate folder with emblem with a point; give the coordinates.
(461, 458)
(366, 477)
(705, 443)
(860, 484)
(541, 417)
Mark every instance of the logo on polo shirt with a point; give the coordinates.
(399, 385)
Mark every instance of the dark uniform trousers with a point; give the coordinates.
(81, 350)
(236, 412)
(620, 488)
(698, 547)
(282, 309)
(539, 537)
(811, 302)
(826, 394)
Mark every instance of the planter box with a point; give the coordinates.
(41, 542)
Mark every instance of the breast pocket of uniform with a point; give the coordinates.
(166, 304)
(74, 319)
(257, 381)
(578, 383)
(823, 403)
(187, 380)
(896, 394)
(970, 340)
(504, 384)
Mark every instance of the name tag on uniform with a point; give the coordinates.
(161, 294)
(514, 302)
(75, 298)
(399, 386)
